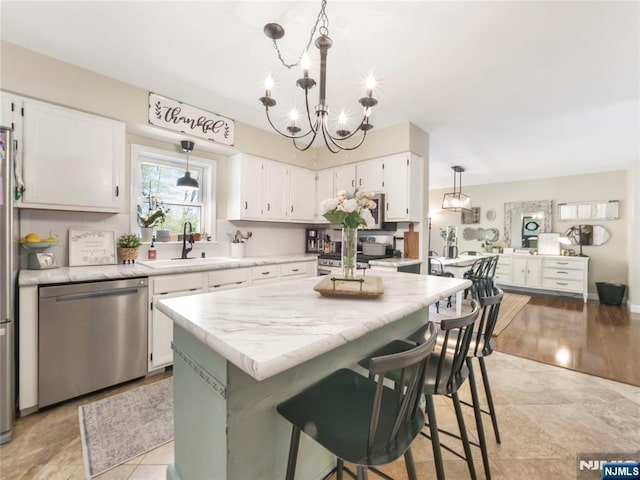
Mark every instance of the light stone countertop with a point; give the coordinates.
(265, 330)
(395, 262)
(114, 272)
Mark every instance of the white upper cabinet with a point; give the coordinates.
(344, 178)
(369, 175)
(245, 188)
(71, 160)
(324, 190)
(276, 191)
(261, 189)
(403, 188)
(10, 111)
(302, 194)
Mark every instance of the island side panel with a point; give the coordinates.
(258, 438)
(200, 412)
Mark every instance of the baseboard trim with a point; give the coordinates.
(633, 308)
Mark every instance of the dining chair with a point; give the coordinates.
(359, 419)
(436, 267)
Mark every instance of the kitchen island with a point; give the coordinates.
(239, 353)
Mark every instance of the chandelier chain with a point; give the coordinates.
(324, 30)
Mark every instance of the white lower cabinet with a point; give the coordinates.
(544, 272)
(527, 271)
(229, 279)
(265, 274)
(161, 326)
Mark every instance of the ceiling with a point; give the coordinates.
(508, 90)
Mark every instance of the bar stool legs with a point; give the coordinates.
(463, 435)
(435, 437)
(293, 454)
(487, 391)
(478, 416)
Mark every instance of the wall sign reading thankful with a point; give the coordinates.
(168, 113)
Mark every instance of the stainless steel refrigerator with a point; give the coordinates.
(8, 275)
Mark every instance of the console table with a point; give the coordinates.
(544, 272)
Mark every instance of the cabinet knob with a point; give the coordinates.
(268, 207)
(246, 205)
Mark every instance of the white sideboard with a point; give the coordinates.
(544, 272)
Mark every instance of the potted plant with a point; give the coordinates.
(128, 244)
(450, 236)
(154, 217)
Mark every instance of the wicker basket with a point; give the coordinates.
(128, 255)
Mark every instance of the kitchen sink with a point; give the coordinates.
(189, 262)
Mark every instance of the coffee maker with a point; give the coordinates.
(312, 240)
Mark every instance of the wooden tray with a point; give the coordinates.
(363, 287)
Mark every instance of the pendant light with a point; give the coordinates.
(187, 182)
(456, 200)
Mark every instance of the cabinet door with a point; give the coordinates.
(519, 272)
(534, 272)
(251, 188)
(324, 190)
(302, 194)
(370, 175)
(71, 160)
(162, 331)
(344, 178)
(396, 187)
(10, 106)
(276, 186)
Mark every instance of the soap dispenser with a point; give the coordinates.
(151, 253)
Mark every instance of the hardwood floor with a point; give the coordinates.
(598, 339)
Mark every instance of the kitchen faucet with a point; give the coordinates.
(185, 250)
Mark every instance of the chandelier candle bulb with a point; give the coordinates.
(268, 85)
(305, 63)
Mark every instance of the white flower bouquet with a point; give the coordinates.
(350, 209)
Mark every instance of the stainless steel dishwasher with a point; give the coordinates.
(91, 336)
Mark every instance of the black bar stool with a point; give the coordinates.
(481, 346)
(360, 420)
(447, 372)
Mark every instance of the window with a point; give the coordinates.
(154, 176)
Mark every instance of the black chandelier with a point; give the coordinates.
(456, 200)
(334, 142)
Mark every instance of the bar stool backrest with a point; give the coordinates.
(411, 367)
(490, 308)
(451, 350)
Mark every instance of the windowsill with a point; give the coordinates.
(206, 242)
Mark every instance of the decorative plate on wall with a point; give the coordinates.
(491, 215)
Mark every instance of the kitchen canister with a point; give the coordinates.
(237, 250)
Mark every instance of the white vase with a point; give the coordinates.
(237, 250)
(146, 234)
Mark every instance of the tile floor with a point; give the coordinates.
(546, 414)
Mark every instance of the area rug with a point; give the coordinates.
(510, 306)
(116, 429)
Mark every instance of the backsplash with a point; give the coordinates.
(267, 238)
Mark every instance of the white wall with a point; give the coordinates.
(608, 262)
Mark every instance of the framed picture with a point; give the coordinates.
(92, 247)
(471, 216)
